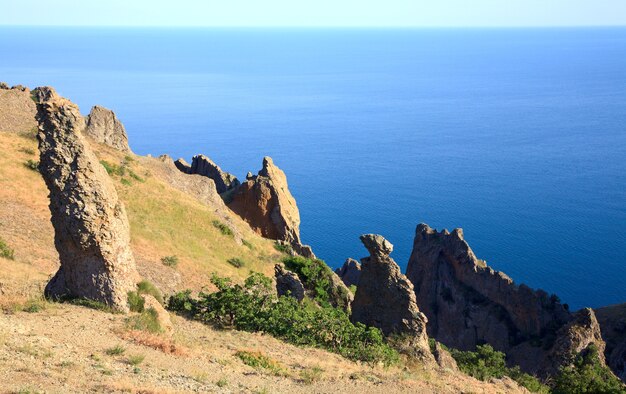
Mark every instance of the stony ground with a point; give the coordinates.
(65, 348)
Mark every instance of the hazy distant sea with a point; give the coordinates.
(518, 136)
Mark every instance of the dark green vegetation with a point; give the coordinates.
(587, 375)
(316, 276)
(236, 262)
(6, 251)
(254, 307)
(136, 302)
(258, 360)
(485, 363)
(283, 248)
(224, 229)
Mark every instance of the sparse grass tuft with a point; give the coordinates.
(97, 305)
(145, 321)
(259, 361)
(28, 151)
(310, 376)
(236, 262)
(32, 165)
(136, 359)
(126, 182)
(115, 350)
(247, 244)
(6, 251)
(224, 229)
(145, 287)
(222, 383)
(135, 301)
(170, 261)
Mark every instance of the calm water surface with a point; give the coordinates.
(518, 136)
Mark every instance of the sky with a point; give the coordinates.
(314, 13)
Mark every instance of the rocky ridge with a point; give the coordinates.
(202, 165)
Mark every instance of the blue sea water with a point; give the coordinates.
(516, 135)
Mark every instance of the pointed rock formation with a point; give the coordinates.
(385, 298)
(288, 283)
(264, 201)
(183, 166)
(468, 303)
(350, 272)
(90, 223)
(202, 165)
(104, 127)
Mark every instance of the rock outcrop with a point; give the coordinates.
(17, 110)
(350, 272)
(91, 228)
(266, 204)
(288, 283)
(385, 299)
(202, 165)
(613, 325)
(104, 127)
(468, 303)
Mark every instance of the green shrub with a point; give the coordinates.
(6, 251)
(485, 363)
(254, 307)
(236, 262)
(32, 165)
(113, 169)
(587, 375)
(316, 276)
(170, 261)
(224, 229)
(283, 248)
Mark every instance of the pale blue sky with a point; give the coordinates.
(307, 13)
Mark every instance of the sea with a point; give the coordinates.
(518, 136)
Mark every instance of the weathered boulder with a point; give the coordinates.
(264, 201)
(443, 357)
(288, 283)
(202, 165)
(467, 303)
(162, 316)
(91, 228)
(385, 299)
(104, 127)
(350, 272)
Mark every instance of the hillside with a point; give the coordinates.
(55, 347)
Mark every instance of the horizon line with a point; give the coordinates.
(407, 27)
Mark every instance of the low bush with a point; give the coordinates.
(148, 320)
(283, 247)
(236, 262)
(170, 261)
(254, 307)
(115, 350)
(485, 363)
(258, 360)
(224, 229)
(6, 251)
(316, 276)
(587, 375)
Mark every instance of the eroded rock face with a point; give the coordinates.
(350, 272)
(385, 298)
(90, 223)
(104, 127)
(264, 201)
(202, 165)
(288, 283)
(467, 303)
(612, 321)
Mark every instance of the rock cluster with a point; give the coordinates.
(202, 165)
(385, 298)
(104, 127)
(17, 110)
(264, 201)
(288, 283)
(350, 272)
(91, 228)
